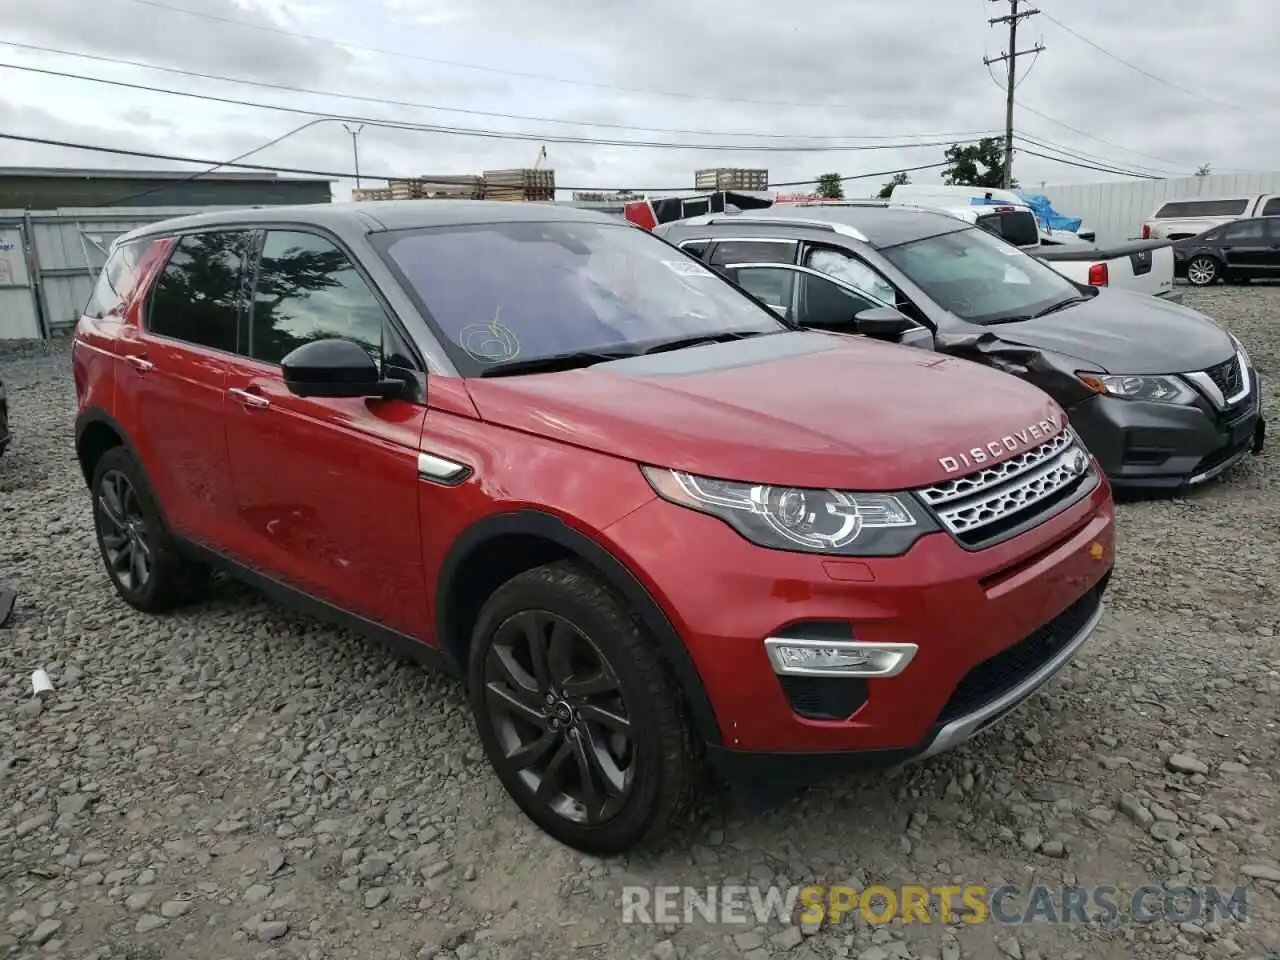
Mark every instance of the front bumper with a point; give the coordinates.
(989, 626)
(1166, 445)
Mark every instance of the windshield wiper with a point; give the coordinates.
(553, 362)
(1060, 305)
(697, 340)
(1054, 308)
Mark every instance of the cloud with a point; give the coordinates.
(865, 70)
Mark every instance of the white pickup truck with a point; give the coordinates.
(1144, 266)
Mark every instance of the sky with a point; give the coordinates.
(856, 87)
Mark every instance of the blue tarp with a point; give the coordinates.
(1048, 217)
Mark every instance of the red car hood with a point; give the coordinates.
(790, 409)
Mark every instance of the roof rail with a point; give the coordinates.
(737, 219)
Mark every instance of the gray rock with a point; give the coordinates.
(148, 922)
(1185, 763)
(172, 909)
(375, 897)
(1262, 871)
(270, 930)
(44, 932)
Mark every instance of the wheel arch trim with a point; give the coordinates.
(537, 523)
(97, 416)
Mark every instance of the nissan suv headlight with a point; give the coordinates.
(801, 519)
(1158, 389)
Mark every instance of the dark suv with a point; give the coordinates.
(1162, 395)
(643, 516)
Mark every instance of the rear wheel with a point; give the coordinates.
(141, 557)
(577, 712)
(1203, 271)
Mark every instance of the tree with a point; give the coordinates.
(978, 164)
(830, 187)
(899, 180)
(1203, 171)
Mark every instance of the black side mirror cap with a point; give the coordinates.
(336, 368)
(883, 322)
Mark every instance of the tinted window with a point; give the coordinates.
(116, 279)
(307, 289)
(1202, 208)
(696, 247)
(764, 251)
(979, 277)
(1019, 228)
(1271, 208)
(808, 300)
(198, 296)
(1244, 230)
(502, 291)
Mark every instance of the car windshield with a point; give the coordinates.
(516, 293)
(981, 278)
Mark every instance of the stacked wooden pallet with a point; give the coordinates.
(520, 184)
(434, 187)
(371, 193)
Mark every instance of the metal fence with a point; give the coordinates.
(49, 262)
(1115, 211)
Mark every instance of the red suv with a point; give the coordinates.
(649, 521)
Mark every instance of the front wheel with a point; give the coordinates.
(577, 712)
(1203, 271)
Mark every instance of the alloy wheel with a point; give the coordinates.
(123, 530)
(1202, 271)
(559, 716)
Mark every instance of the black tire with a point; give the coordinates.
(118, 485)
(663, 765)
(1203, 271)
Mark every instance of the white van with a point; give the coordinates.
(1192, 216)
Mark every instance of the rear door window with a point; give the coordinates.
(1243, 231)
(1271, 208)
(199, 296)
(753, 251)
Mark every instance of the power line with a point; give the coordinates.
(387, 101)
(1013, 18)
(1102, 162)
(347, 175)
(1089, 166)
(482, 133)
(1146, 73)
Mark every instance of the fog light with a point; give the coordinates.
(794, 657)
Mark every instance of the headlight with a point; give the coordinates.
(1158, 389)
(1244, 354)
(799, 519)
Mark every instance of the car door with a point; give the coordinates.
(172, 382)
(1271, 267)
(1244, 247)
(325, 488)
(819, 302)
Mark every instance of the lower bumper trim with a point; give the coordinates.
(970, 725)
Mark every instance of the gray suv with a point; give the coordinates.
(1161, 394)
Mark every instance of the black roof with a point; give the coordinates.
(883, 226)
(377, 215)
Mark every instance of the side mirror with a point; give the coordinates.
(335, 368)
(883, 323)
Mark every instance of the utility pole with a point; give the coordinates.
(355, 149)
(1013, 17)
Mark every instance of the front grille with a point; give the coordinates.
(993, 502)
(1227, 377)
(995, 677)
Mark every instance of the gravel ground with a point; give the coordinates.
(237, 782)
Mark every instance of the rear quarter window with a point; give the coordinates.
(118, 279)
(1271, 208)
(1201, 208)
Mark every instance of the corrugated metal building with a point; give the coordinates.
(49, 188)
(1116, 210)
(50, 259)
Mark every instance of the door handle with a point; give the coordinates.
(249, 399)
(141, 364)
